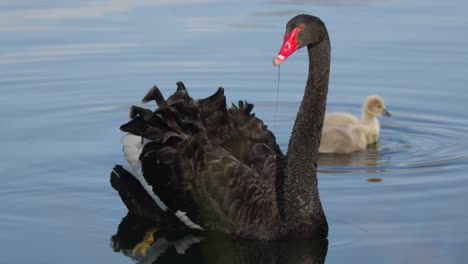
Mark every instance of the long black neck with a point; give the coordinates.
(303, 209)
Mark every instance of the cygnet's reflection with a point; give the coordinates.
(368, 160)
(142, 240)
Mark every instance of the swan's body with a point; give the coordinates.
(345, 133)
(341, 119)
(214, 167)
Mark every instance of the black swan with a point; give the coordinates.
(209, 167)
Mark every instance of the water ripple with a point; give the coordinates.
(408, 143)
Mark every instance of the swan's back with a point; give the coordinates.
(341, 120)
(337, 139)
(342, 133)
(210, 166)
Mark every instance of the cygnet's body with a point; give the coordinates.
(345, 133)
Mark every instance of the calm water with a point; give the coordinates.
(69, 72)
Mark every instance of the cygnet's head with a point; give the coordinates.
(375, 106)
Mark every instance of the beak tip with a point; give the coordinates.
(386, 113)
(276, 61)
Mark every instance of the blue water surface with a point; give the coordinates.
(70, 70)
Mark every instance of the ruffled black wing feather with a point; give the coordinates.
(218, 165)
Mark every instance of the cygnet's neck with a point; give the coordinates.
(368, 119)
(372, 124)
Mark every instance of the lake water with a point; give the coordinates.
(70, 71)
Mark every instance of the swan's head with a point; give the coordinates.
(301, 31)
(375, 106)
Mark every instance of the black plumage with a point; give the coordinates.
(222, 166)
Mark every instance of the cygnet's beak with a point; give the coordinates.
(386, 113)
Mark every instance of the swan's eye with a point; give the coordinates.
(301, 27)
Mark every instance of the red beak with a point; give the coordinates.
(289, 47)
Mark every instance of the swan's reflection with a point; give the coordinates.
(141, 240)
